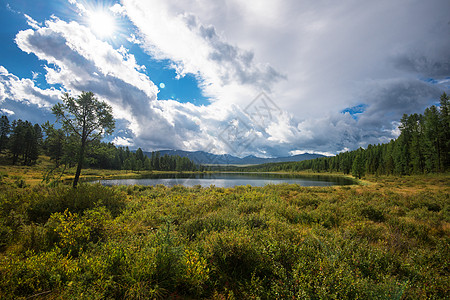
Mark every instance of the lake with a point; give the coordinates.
(229, 179)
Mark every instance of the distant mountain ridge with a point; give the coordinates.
(205, 158)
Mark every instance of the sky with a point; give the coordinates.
(261, 77)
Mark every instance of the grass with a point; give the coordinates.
(34, 175)
(385, 240)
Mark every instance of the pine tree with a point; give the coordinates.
(17, 140)
(444, 133)
(139, 154)
(4, 132)
(358, 165)
(432, 140)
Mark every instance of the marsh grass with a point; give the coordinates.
(385, 240)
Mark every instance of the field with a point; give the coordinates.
(386, 239)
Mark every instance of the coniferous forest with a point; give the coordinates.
(26, 141)
(422, 147)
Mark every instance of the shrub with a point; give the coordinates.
(71, 232)
(35, 274)
(86, 196)
(372, 214)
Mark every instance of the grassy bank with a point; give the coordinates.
(35, 174)
(386, 240)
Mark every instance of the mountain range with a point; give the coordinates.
(205, 158)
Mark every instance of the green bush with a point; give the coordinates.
(274, 242)
(35, 274)
(86, 196)
(373, 214)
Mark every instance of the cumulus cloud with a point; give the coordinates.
(225, 70)
(334, 57)
(390, 99)
(122, 141)
(82, 62)
(85, 63)
(315, 61)
(25, 91)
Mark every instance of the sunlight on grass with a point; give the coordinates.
(389, 239)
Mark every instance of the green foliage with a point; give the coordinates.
(373, 214)
(4, 132)
(422, 147)
(24, 141)
(126, 160)
(55, 143)
(35, 274)
(85, 118)
(382, 241)
(76, 201)
(358, 165)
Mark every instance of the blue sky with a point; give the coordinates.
(22, 64)
(268, 78)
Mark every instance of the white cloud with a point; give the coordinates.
(32, 23)
(133, 39)
(35, 75)
(5, 111)
(117, 9)
(333, 56)
(122, 142)
(227, 72)
(80, 7)
(25, 91)
(86, 63)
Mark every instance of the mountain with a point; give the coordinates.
(205, 158)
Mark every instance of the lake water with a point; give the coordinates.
(229, 180)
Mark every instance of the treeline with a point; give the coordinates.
(422, 147)
(107, 156)
(22, 139)
(24, 142)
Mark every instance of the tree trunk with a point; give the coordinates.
(80, 164)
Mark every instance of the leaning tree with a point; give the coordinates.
(87, 118)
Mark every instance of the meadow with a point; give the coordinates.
(385, 239)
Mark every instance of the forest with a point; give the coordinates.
(422, 147)
(23, 142)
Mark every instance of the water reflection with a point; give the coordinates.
(229, 180)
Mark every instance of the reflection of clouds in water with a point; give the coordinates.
(217, 182)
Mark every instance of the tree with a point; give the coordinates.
(16, 140)
(33, 135)
(444, 133)
(433, 143)
(139, 154)
(54, 143)
(358, 164)
(4, 132)
(87, 118)
(24, 142)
